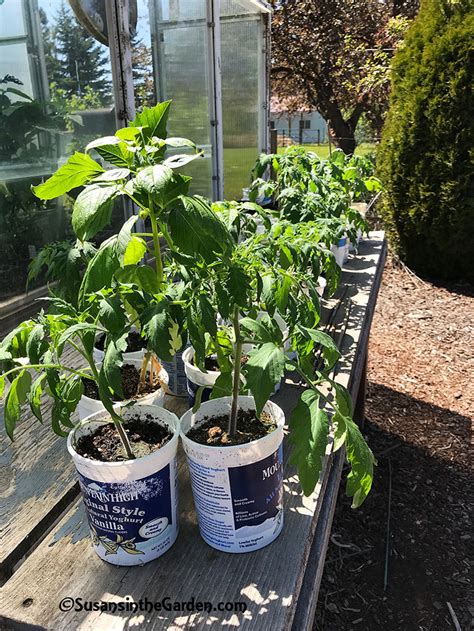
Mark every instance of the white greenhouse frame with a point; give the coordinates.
(120, 55)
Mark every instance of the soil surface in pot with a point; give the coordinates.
(214, 431)
(211, 363)
(135, 342)
(130, 385)
(104, 444)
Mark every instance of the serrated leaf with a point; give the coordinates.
(124, 237)
(207, 314)
(128, 133)
(144, 277)
(237, 284)
(111, 314)
(36, 345)
(268, 294)
(361, 459)
(309, 428)
(135, 251)
(263, 371)
(156, 329)
(92, 210)
(76, 329)
(101, 142)
(78, 170)
(15, 398)
(343, 400)
(34, 396)
(154, 180)
(100, 270)
(329, 348)
(196, 230)
(222, 386)
(261, 333)
(110, 373)
(154, 120)
(116, 154)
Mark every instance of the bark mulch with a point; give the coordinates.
(419, 425)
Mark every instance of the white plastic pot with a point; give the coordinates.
(88, 406)
(340, 251)
(238, 491)
(131, 505)
(98, 355)
(196, 378)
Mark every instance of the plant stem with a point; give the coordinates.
(156, 245)
(116, 418)
(58, 366)
(232, 430)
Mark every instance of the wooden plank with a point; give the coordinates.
(269, 581)
(37, 482)
(307, 601)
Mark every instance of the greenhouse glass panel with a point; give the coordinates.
(240, 100)
(177, 32)
(55, 96)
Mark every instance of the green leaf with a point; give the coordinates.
(102, 142)
(268, 294)
(343, 400)
(156, 329)
(72, 390)
(309, 427)
(179, 142)
(60, 414)
(144, 277)
(154, 181)
(128, 133)
(112, 175)
(180, 160)
(118, 155)
(124, 237)
(92, 210)
(111, 314)
(34, 396)
(15, 398)
(222, 386)
(361, 459)
(196, 230)
(110, 373)
(76, 329)
(135, 251)
(2, 385)
(78, 170)
(263, 371)
(154, 120)
(100, 270)
(36, 345)
(262, 334)
(237, 284)
(340, 431)
(207, 314)
(329, 348)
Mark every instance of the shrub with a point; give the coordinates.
(425, 158)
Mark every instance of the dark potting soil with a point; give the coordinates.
(214, 431)
(135, 342)
(130, 385)
(104, 444)
(210, 363)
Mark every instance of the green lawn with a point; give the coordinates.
(323, 150)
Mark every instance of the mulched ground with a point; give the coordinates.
(419, 425)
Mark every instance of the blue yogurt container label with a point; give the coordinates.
(240, 508)
(132, 519)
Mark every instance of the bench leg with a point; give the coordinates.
(359, 408)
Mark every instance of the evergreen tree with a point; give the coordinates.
(77, 61)
(425, 158)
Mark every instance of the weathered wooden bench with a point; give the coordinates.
(46, 557)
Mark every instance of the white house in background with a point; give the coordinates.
(302, 126)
